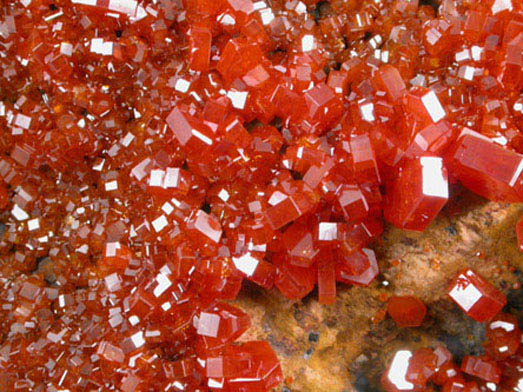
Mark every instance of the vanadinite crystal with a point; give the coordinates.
(475, 296)
(503, 336)
(484, 368)
(157, 153)
(406, 311)
(519, 234)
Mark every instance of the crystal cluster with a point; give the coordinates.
(156, 153)
(499, 369)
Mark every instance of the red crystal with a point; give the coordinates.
(409, 371)
(475, 296)
(460, 386)
(503, 336)
(418, 194)
(352, 202)
(256, 269)
(190, 132)
(487, 168)
(422, 366)
(294, 282)
(359, 268)
(115, 257)
(406, 311)
(390, 80)
(300, 245)
(424, 105)
(204, 228)
(364, 159)
(4, 197)
(483, 368)
(447, 373)
(326, 280)
(443, 356)
(199, 48)
(512, 372)
(440, 36)
(244, 367)
(220, 325)
(519, 234)
(287, 208)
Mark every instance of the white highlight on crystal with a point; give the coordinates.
(266, 16)
(238, 98)
(434, 183)
(111, 185)
(201, 136)
(467, 296)
(307, 43)
(516, 173)
(367, 112)
(182, 85)
(171, 177)
(208, 324)
(501, 5)
(246, 264)
(223, 195)
(84, 2)
(433, 106)
(398, 370)
(138, 339)
(328, 231)
(167, 208)
(18, 213)
(509, 327)
(22, 121)
(66, 48)
(163, 284)
(156, 177)
(468, 73)
(33, 224)
(159, 223)
(276, 198)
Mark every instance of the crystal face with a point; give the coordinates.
(503, 336)
(483, 368)
(406, 311)
(156, 155)
(424, 105)
(519, 234)
(475, 296)
(418, 194)
(487, 168)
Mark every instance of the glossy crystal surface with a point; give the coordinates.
(406, 311)
(418, 194)
(503, 336)
(483, 368)
(157, 154)
(475, 296)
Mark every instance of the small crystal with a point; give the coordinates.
(475, 296)
(406, 311)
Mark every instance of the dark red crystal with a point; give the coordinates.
(406, 311)
(475, 296)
